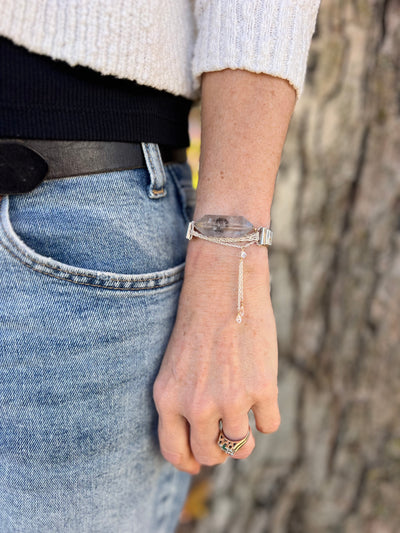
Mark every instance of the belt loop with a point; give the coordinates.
(155, 167)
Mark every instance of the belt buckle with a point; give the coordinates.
(21, 168)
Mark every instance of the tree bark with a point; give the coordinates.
(334, 464)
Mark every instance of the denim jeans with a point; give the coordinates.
(90, 273)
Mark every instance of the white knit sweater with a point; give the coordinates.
(167, 44)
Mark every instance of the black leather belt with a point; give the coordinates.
(24, 164)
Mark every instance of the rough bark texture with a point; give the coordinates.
(334, 464)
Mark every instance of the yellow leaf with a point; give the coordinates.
(195, 507)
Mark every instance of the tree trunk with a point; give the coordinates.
(334, 464)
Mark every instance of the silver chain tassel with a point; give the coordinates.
(235, 231)
(240, 306)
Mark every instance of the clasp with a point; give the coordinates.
(265, 237)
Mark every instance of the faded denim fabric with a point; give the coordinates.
(90, 274)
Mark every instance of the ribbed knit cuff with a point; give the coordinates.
(150, 41)
(271, 37)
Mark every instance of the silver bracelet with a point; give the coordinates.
(233, 231)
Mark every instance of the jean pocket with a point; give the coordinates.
(101, 229)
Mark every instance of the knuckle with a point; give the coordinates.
(235, 403)
(201, 412)
(269, 426)
(210, 460)
(175, 458)
(234, 432)
(158, 393)
(267, 393)
(165, 402)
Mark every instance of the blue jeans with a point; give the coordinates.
(90, 273)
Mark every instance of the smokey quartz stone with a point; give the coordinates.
(224, 226)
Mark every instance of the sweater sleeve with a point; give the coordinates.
(263, 36)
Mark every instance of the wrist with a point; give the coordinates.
(211, 282)
(216, 264)
(228, 233)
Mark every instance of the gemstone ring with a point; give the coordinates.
(230, 446)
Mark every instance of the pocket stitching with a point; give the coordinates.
(32, 261)
(31, 267)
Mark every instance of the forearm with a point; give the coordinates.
(245, 117)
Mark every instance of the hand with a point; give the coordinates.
(213, 367)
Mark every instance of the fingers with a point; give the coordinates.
(173, 434)
(204, 442)
(204, 439)
(189, 445)
(192, 442)
(236, 428)
(267, 416)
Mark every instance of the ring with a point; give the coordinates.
(230, 446)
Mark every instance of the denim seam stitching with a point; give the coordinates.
(57, 269)
(182, 196)
(99, 286)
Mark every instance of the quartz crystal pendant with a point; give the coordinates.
(224, 226)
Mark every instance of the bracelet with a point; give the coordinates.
(234, 231)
